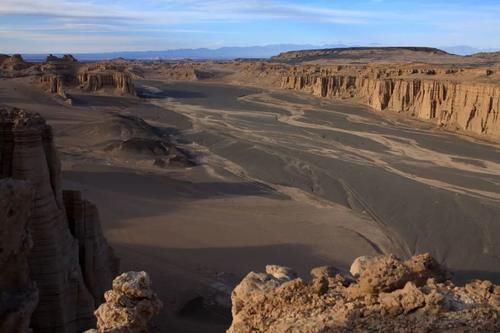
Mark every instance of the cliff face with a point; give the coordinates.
(472, 107)
(18, 293)
(60, 74)
(54, 84)
(94, 81)
(60, 260)
(98, 263)
(380, 294)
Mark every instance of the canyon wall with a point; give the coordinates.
(94, 81)
(18, 292)
(379, 294)
(54, 84)
(69, 261)
(464, 105)
(61, 74)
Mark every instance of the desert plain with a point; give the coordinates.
(265, 175)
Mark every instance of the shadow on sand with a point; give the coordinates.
(174, 271)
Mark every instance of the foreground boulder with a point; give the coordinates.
(388, 295)
(130, 305)
(51, 239)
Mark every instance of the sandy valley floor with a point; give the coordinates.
(283, 178)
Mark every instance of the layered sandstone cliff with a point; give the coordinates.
(69, 260)
(458, 96)
(419, 92)
(62, 74)
(382, 294)
(54, 84)
(94, 81)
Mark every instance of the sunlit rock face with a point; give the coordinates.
(130, 305)
(58, 75)
(468, 106)
(383, 294)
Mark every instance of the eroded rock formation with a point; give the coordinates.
(13, 66)
(14, 63)
(18, 293)
(97, 260)
(61, 74)
(130, 305)
(69, 260)
(94, 81)
(388, 295)
(54, 84)
(472, 107)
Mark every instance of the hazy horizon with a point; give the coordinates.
(91, 26)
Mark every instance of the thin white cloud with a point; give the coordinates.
(87, 20)
(183, 12)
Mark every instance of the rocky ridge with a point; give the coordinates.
(473, 107)
(69, 260)
(380, 294)
(367, 53)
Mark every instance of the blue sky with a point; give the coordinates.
(124, 25)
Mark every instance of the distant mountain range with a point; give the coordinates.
(225, 53)
(222, 53)
(466, 50)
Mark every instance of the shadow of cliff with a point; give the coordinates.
(172, 93)
(463, 276)
(165, 187)
(87, 100)
(151, 112)
(125, 195)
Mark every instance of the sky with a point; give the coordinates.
(81, 26)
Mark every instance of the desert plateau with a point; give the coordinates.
(146, 194)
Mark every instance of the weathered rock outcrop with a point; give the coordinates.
(18, 293)
(54, 84)
(64, 58)
(13, 66)
(473, 107)
(65, 303)
(14, 63)
(94, 81)
(388, 295)
(130, 305)
(62, 74)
